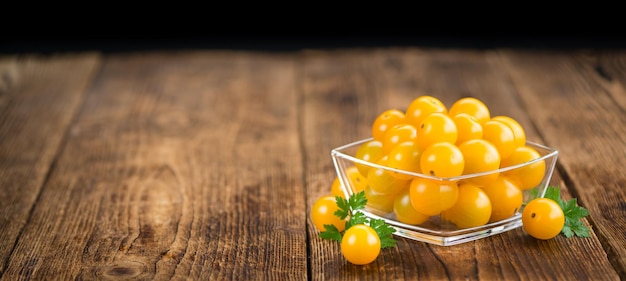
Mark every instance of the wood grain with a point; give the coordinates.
(393, 79)
(179, 166)
(203, 165)
(338, 101)
(586, 122)
(39, 96)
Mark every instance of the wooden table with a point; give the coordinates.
(204, 164)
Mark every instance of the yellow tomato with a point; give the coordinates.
(467, 127)
(405, 156)
(543, 218)
(383, 182)
(398, 134)
(505, 196)
(480, 156)
(516, 127)
(473, 208)
(359, 182)
(370, 151)
(500, 135)
(385, 121)
(530, 175)
(421, 107)
(379, 202)
(335, 188)
(471, 106)
(436, 127)
(323, 212)
(442, 159)
(360, 244)
(430, 197)
(404, 211)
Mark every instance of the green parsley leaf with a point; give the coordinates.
(344, 207)
(567, 231)
(573, 214)
(573, 211)
(579, 228)
(356, 218)
(331, 233)
(349, 208)
(553, 193)
(384, 231)
(534, 194)
(357, 201)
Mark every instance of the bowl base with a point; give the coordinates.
(449, 238)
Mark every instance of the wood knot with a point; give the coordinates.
(121, 271)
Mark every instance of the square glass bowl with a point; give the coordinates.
(437, 230)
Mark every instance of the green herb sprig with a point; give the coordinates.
(350, 208)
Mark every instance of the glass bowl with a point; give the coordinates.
(436, 229)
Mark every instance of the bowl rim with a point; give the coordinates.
(340, 152)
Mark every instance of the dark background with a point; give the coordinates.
(109, 27)
(284, 42)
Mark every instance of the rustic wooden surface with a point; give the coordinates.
(203, 165)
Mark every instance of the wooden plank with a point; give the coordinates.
(39, 95)
(351, 88)
(338, 101)
(609, 67)
(180, 166)
(577, 101)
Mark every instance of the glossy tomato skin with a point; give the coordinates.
(360, 244)
(384, 121)
(335, 188)
(405, 156)
(473, 208)
(421, 107)
(467, 128)
(378, 201)
(442, 159)
(500, 135)
(436, 127)
(517, 129)
(358, 181)
(382, 181)
(430, 197)
(404, 211)
(323, 212)
(371, 151)
(530, 175)
(480, 156)
(506, 198)
(471, 106)
(543, 218)
(398, 134)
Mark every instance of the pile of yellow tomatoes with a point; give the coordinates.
(444, 145)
